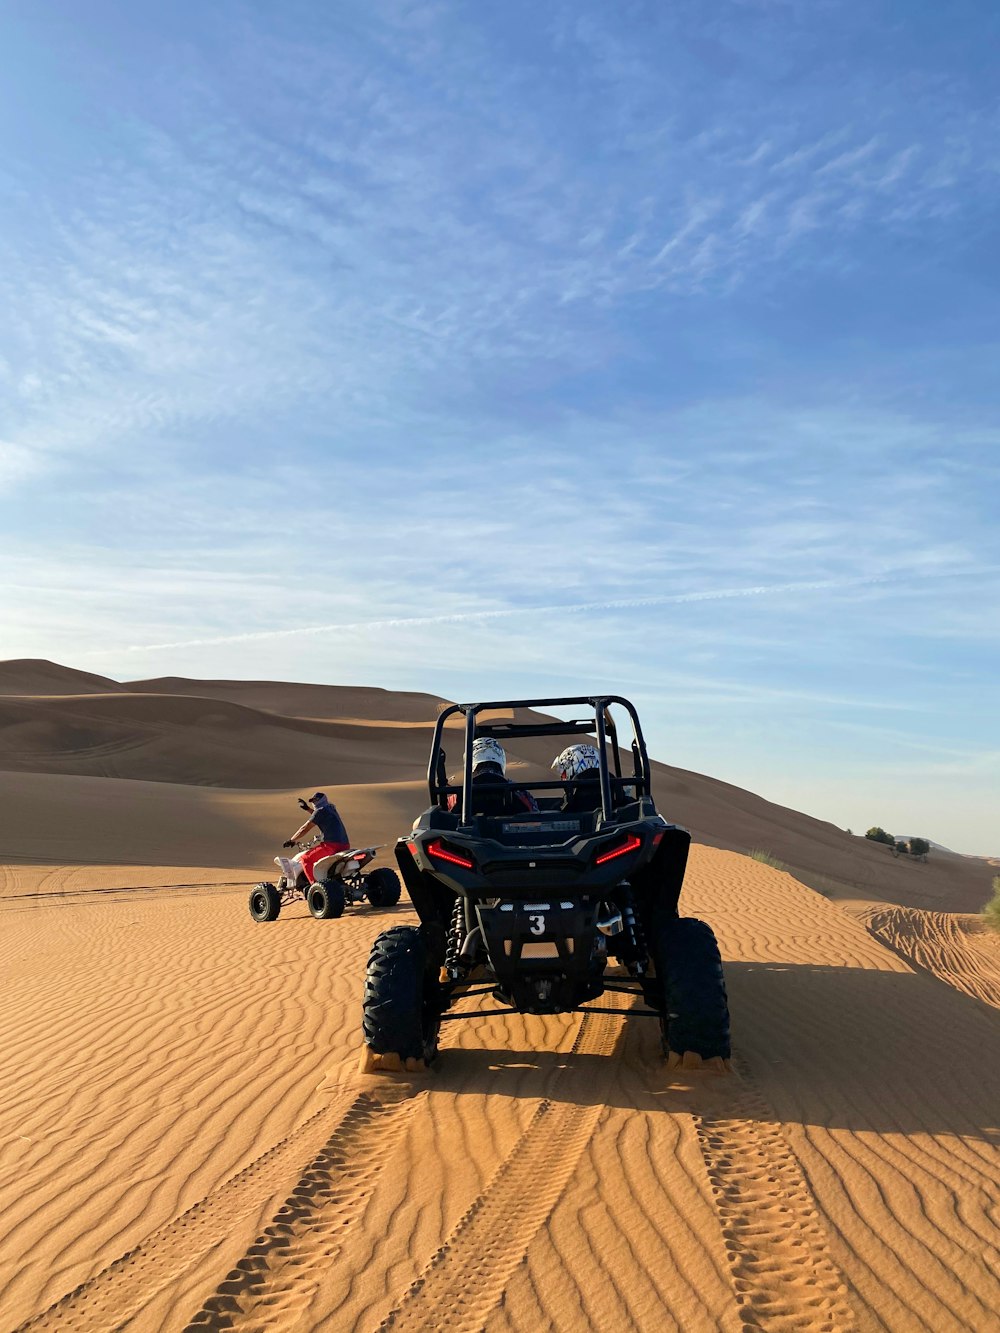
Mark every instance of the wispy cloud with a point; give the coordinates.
(182, 294)
(519, 612)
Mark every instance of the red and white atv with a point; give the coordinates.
(338, 880)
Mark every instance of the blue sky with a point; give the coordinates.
(515, 348)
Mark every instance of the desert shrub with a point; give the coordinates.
(879, 835)
(992, 909)
(919, 846)
(901, 846)
(766, 859)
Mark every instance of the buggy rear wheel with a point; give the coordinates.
(693, 988)
(325, 899)
(382, 887)
(401, 1008)
(265, 902)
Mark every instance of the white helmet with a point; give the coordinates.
(486, 750)
(576, 759)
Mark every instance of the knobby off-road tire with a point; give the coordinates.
(325, 899)
(695, 1008)
(382, 887)
(401, 1008)
(265, 902)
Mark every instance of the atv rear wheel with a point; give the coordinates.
(401, 1007)
(695, 1008)
(382, 887)
(265, 902)
(325, 899)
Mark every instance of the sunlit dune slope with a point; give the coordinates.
(329, 701)
(186, 1141)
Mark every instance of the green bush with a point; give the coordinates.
(992, 909)
(902, 847)
(766, 859)
(919, 846)
(879, 835)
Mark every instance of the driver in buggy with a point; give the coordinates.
(489, 765)
(326, 820)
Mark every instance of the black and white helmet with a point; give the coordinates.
(486, 750)
(574, 760)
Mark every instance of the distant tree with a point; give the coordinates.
(992, 909)
(901, 846)
(919, 846)
(879, 835)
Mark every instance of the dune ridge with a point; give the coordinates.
(258, 742)
(186, 1141)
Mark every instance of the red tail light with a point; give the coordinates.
(443, 853)
(629, 845)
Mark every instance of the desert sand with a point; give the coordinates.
(186, 1140)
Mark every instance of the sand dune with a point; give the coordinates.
(955, 948)
(274, 736)
(186, 1142)
(196, 1145)
(30, 676)
(201, 742)
(323, 701)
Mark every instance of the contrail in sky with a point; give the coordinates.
(461, 617)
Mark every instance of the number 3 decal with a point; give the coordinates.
(537, 925)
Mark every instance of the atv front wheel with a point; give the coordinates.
(695, 1008)
(382, 887)
(265, 902)
(325, 899)
(401, 1009)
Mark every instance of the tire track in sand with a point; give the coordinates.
(467, 1276)
(271, 1286)
(119, 1292)
(940, 943)
(783, 1273)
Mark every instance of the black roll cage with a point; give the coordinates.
(603, 725)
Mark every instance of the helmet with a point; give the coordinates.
(576, 759)
(317, 799)
(486, 750)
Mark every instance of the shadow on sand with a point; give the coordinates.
(837, 1047)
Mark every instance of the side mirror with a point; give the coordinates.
(304, 805)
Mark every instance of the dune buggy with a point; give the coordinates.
(337, 880)
(534, 907)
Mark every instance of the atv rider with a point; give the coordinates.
(580, 766)
(326, 820)
(489, 766)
